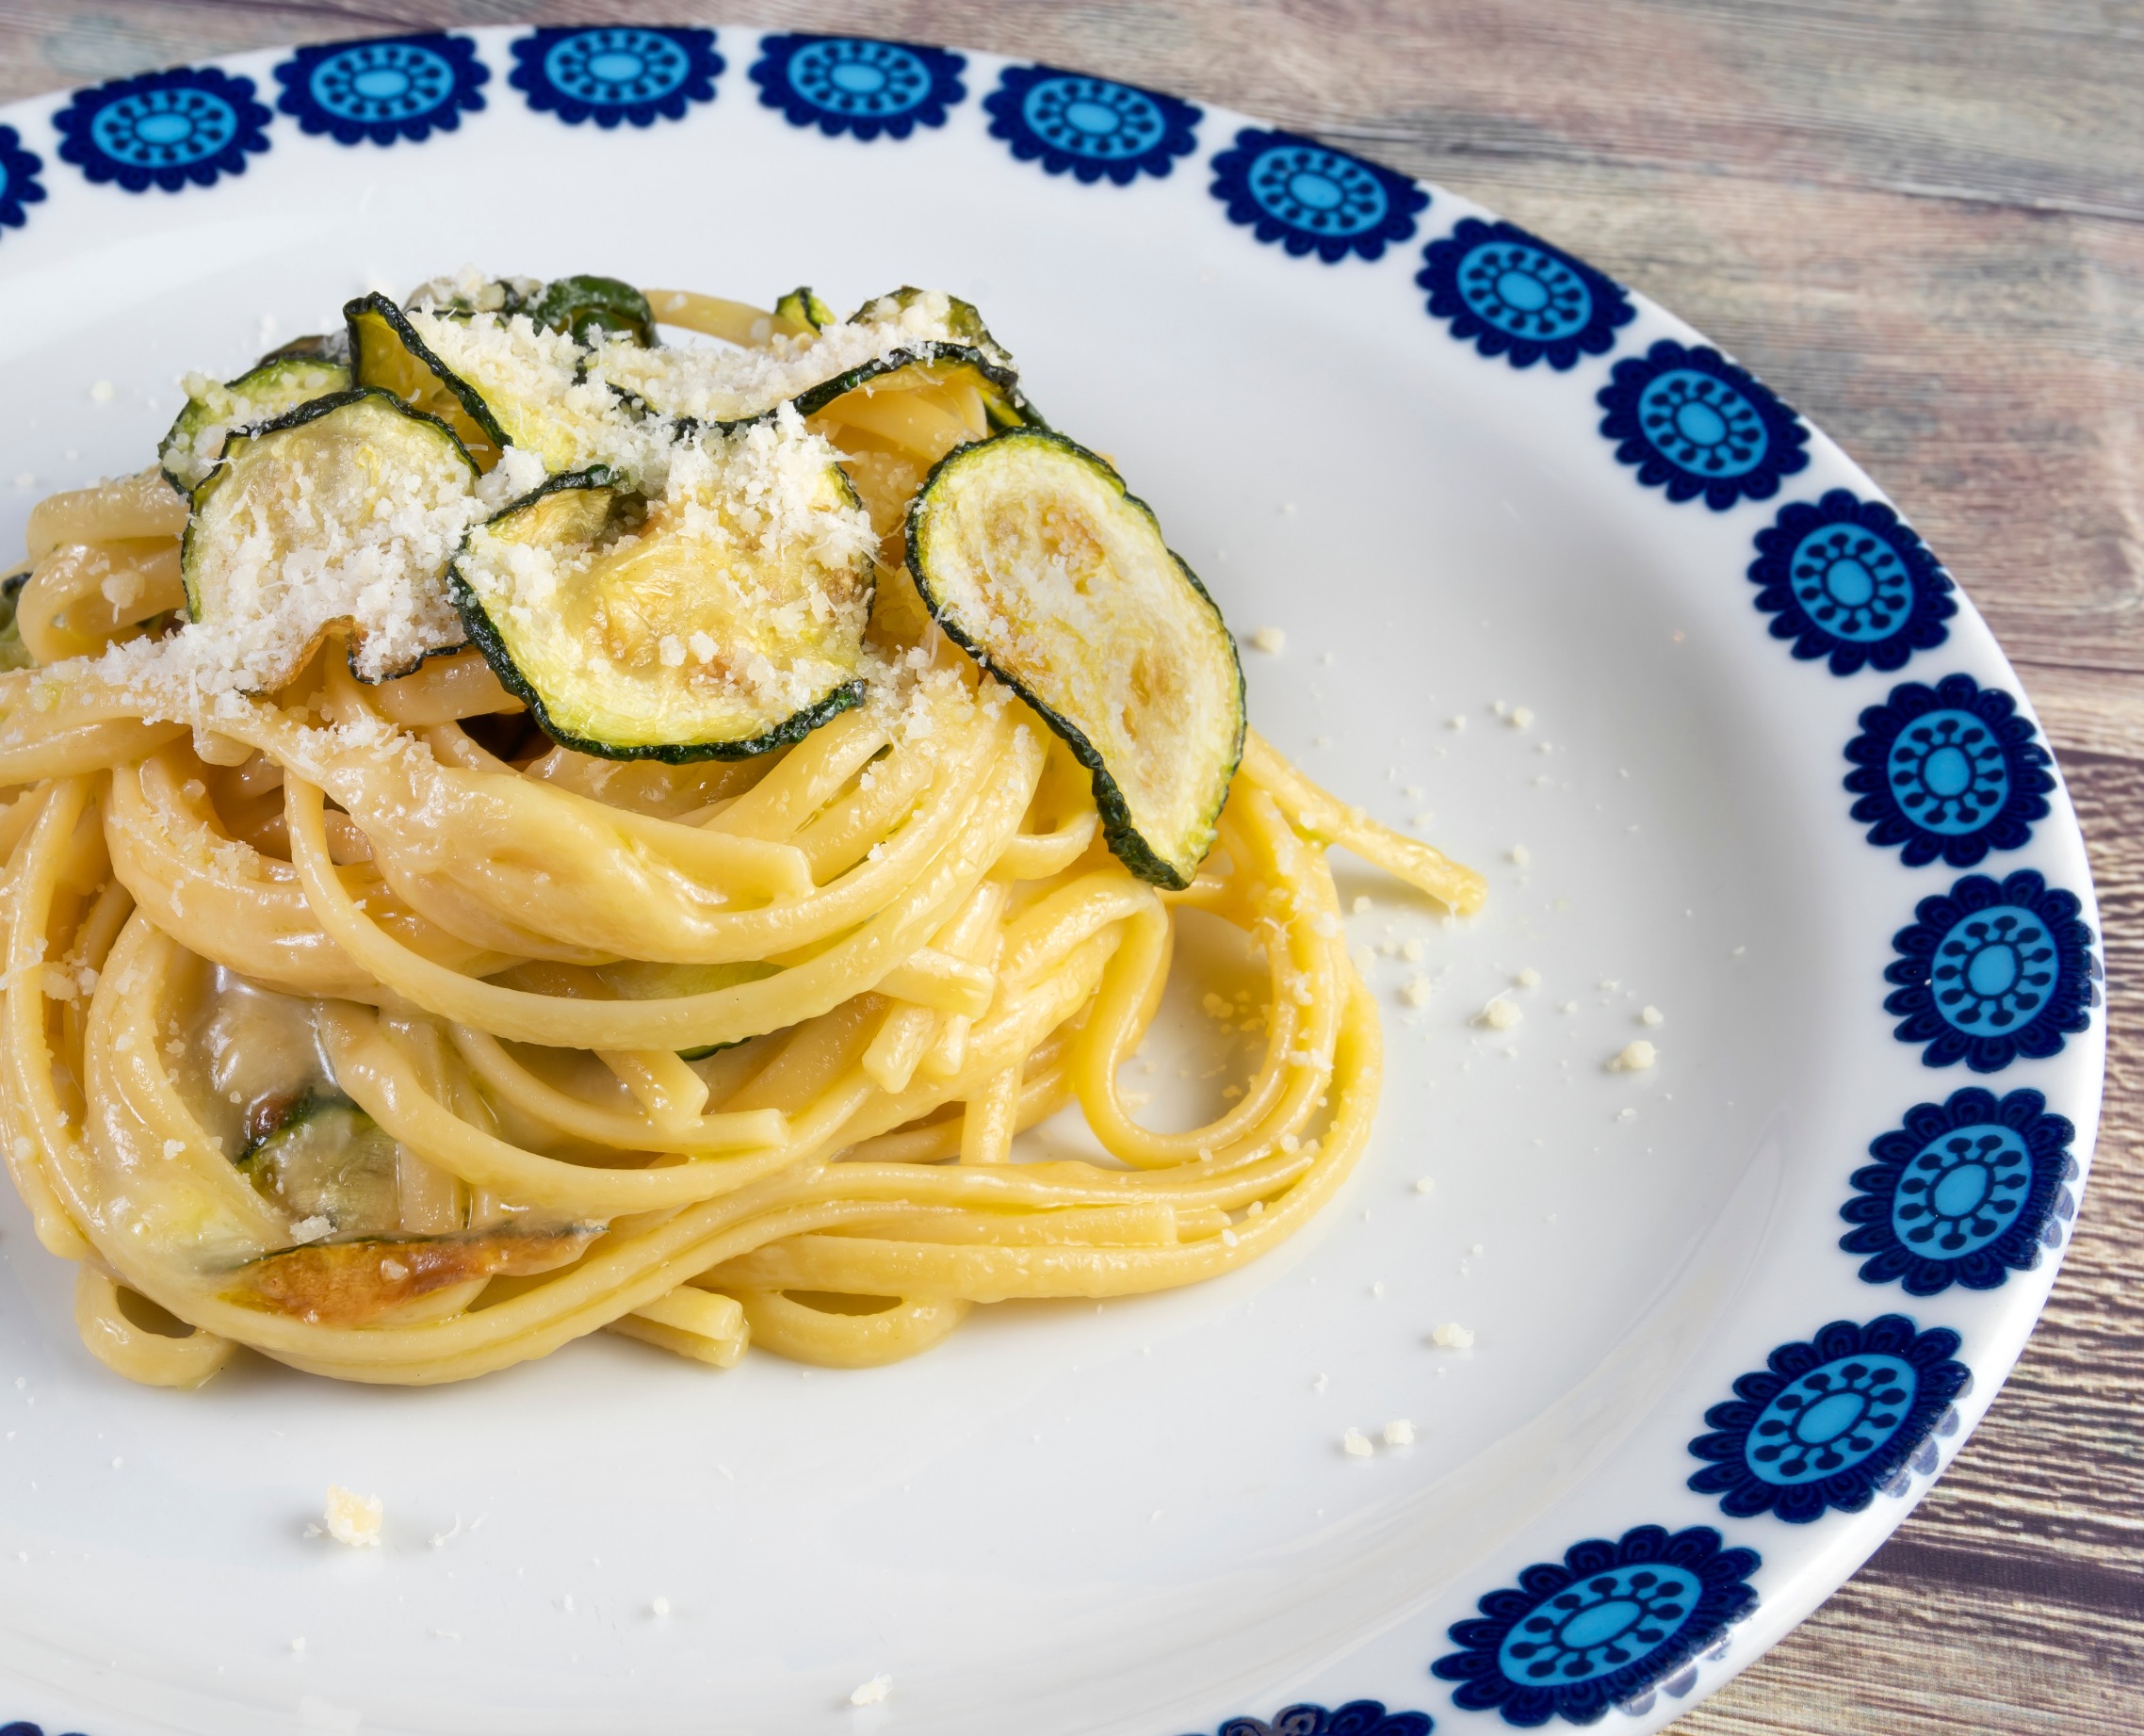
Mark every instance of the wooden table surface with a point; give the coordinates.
(1922, 220)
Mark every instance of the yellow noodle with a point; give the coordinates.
(707, 1056)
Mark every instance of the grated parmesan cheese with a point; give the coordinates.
(353, 1518)
(725, 385)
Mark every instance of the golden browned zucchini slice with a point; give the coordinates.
(351, 498)
(664, 630)
(1034, 558)
(272, 388)
(347, 1283)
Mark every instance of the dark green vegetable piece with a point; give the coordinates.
(803, 306)
(588, 307)
(962, 320)
(279, 383)
(648, 642)
(385, 351)
(1031, 554)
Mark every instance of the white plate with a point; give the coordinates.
(1137, 1519)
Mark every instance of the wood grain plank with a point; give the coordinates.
(1925, 224)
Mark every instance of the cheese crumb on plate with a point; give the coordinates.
(353, 1518)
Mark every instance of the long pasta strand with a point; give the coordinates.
(888, 950)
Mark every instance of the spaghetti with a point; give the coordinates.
(366, 1025)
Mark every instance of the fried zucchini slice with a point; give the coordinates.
(272, 387)
(664, 630)
(588, 308)
(495, 397)
(387, 352)
(1004, 405)
(962, 318)
(328, 1164)
(1031, 554)
(348, 492)
(347, 1283)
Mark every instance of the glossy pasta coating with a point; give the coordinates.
(711, 1055)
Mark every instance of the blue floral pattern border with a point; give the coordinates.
(1093, 129)
(1948, 772)
(188, 126)
(615, 73)
(384, 90)
(1312, 200)
(1965, 1192)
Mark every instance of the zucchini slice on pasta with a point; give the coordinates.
(659, 629)
(494, 381)
(272, 387)
(351, 497)
(923, 365)
(1037, 563)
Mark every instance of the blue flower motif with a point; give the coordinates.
(18, 183)
(1357, 1718)
(384, 88)
(172, 129)
(1828, 1423)
(856, 84)
(1090, 126)
(1610, 1624)
(1314, 201)
(1510, 294)
(1992, 971)
(1966, 1192)
(613, 73)
(1848, 579)
(1950, 770)
(1697, 426)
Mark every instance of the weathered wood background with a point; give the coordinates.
(1924, 221)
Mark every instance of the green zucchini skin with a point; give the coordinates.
(587, 307)
(311, 412)
(313, 347)
(1120, 830)
(270, 381)
(1003, 402)
(374, 323)
(964, 320)
(484, 634)
(803, 306)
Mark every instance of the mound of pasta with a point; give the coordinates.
(517, 827)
